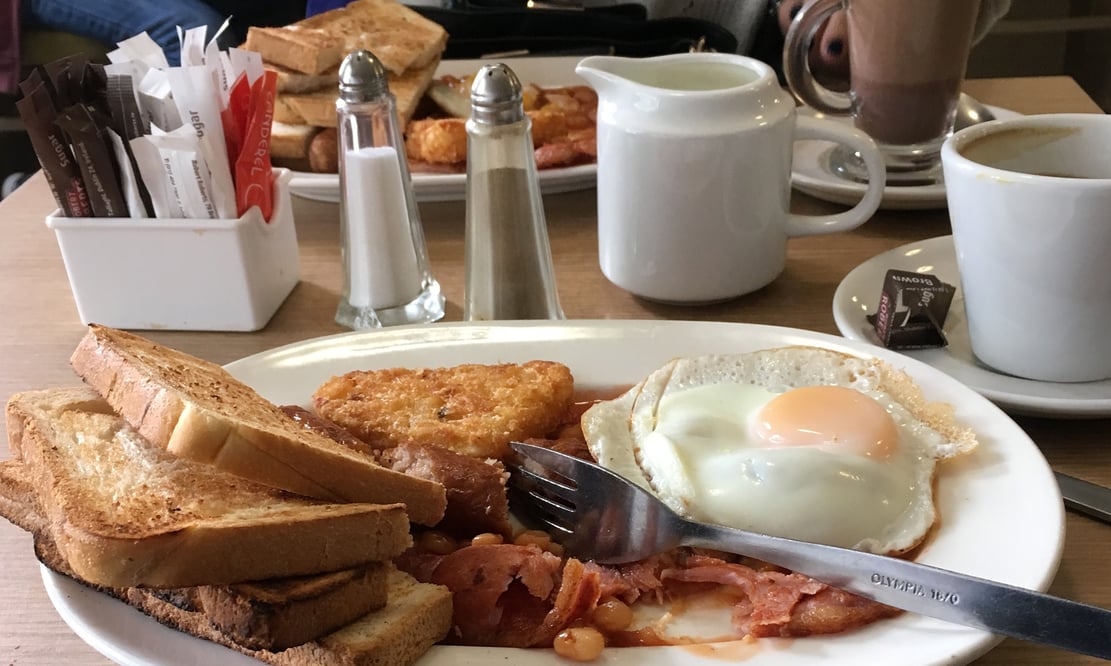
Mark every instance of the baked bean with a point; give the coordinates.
(579, 643)
(436, 543)
(554, 548)
(487, 539)
(612, 615)
(538, 538)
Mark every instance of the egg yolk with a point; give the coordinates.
(832, 417)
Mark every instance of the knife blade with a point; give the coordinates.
(1085, 497)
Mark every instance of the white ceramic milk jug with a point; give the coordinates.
(694, 174)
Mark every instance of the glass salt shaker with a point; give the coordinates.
(385, 263)
(509, 271)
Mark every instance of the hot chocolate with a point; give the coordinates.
(907, 62)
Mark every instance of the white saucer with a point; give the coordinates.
(810, 174)
(859, 293)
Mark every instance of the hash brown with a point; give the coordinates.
(472, 409)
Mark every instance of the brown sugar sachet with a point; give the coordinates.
(912, 310)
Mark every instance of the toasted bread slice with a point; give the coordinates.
(291, 141)
(284, 111)
(270, 615)
(281, 613)
(401, 38)
(305, 50)
(124, 512)
(316, 109)
(196, 410)
(319, 108)
(17, 498)
(290, 81)
(416, 617)
(472, 409)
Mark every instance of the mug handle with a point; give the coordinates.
(796, 59)
(828, 130)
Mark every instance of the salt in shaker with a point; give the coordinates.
(509, 271)
(385, 263)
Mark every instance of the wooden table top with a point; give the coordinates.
(39, 328)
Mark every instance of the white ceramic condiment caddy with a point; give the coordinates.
(176, 274)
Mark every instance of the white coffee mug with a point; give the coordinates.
(1030, 203)
(694, 174)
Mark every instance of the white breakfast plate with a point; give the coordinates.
(543, 71)
(1001, 511)
(810, 174)
(858, 295)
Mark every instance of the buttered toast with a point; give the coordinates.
(197, 411)
(123, 512)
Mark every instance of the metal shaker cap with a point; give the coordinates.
(496, 96)
(362, 78)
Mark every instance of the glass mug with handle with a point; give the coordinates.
(907, 60)
(694, 174)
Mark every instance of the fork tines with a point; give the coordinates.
(549, 500)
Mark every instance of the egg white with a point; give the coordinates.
(685, 433)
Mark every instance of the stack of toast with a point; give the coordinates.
(306, 56)
(170, 485)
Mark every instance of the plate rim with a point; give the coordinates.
(975, 642)
(1017, 402)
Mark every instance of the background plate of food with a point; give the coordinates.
(1000, 514)
(560, 103)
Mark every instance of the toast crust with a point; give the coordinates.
(122, 512)
(196, 410)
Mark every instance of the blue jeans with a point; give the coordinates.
(112, 21)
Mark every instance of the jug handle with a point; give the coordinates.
(796, 60)
(827, 130)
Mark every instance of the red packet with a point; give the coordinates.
(234, 117)
(253, 182)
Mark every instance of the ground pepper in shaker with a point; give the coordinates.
(386, 280)
(508, 260)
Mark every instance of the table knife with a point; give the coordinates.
(1087, 498)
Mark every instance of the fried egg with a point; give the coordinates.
(799, 442)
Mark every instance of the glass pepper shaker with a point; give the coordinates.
(385, 263)
(509, 271)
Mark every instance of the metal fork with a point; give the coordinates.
(599, 515)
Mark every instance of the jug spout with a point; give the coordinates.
(605, 73)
